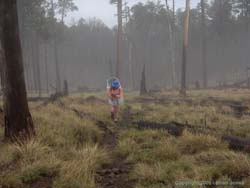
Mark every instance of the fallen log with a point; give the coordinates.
(172, 127)
(239, 84)
(37, 99)
(239, 110)
(176, 129)
(237, 143)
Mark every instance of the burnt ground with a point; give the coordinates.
(112, 175)
(115, 174)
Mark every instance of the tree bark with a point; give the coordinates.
(33, 59)
(185, 50)
(58, 79)
(172, 50)
(37, 64)
(174, 47)
(46, 67)
(204, 43)
(18, 120)
(55, 44)
(143, 88)
(119, 40)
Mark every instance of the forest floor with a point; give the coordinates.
(161, 140)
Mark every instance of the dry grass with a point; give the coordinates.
(80, 171)
(67, 148)
(192, 144)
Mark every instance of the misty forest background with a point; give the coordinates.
(83, 52)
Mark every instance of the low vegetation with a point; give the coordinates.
(69, 147)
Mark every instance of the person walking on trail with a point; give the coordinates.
(115, 94)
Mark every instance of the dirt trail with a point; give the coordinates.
(115, 174)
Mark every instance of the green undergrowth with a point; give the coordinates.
(66, 150)
(162, 160)
(219, 117)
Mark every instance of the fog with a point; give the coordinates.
(85, 50)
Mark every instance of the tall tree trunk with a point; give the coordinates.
(174, 47)
(204, 43)
(46, 67)
(130, 66)
(171, 37)
(133, 60)
(37, 64)
(30, 62)
(33, 63)
(55, 44)
(18, 120)
(119, 39)
(185, 50)
(143, 88)
(58, 79)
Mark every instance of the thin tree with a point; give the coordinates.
(65, 6)
(143, 88)
(204, 43)
(46, 67)
(18, 120)
(119, 37)
(171, 37)
(185, 50)
(174, 46)
(55, 45)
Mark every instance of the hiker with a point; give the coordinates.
(115, 94)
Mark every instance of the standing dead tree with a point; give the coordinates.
(170, 23)
(119, 37)
(143, 88)
(18, 120)
(55, 44)
(204, 43)
(185, 50)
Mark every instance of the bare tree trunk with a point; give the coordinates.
(27, 66)
(65, 89)
(171, 37)
(33, 63)
(119, 39)
(185, 50)
(58, 79)
(46, 66)
(204, 43)
(133, 60)
(30, 62)
(130, 48)
(55, 44)
(18, 120)
(174, 47)
(143, 88)
(37, 64)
